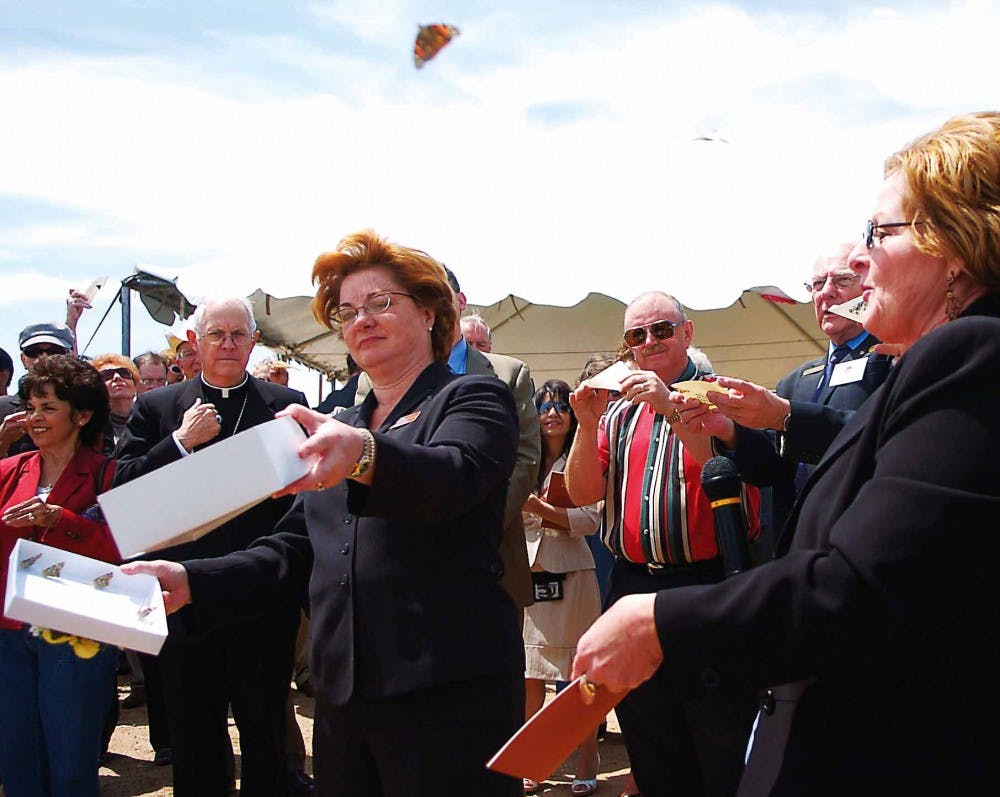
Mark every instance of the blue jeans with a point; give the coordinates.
(53, 707)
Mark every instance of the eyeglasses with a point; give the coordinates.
(376, 304)
(175, 369)
(559, 406)
(186, 354)
(107, 374)
(661, 330)
(42, 350)
(872, 230)
(840, 282)
(216, 337)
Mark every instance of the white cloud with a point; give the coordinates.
(24, 286)
(244, 189)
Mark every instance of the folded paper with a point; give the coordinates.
(698, 389)
(851, 310)
(610, 378)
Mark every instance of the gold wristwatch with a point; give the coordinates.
(367, 458)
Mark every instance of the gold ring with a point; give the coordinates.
(588, 687)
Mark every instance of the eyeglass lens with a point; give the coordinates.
(107, 374)
(661, 330)
(374, 305)
(840, 281)
(42, 351)
(559, 406)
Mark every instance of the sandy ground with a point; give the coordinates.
(130, 771)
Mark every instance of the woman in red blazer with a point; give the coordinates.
(53, 696)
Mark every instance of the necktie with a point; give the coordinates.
(839, 354)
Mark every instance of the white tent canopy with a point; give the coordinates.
(761, 336)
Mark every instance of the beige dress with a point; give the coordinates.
(553, 628)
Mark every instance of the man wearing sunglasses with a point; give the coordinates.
(810, 404)
(36, 341)
(641, 458)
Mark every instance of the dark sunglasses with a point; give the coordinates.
(661, 330)
(559, 406)
(41, 350)
(174, 369)
(107, 374)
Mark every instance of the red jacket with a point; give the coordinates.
(75, 491)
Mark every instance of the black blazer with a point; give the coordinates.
(811, 428)
(885, 608)
(402, 574)
(147, 444)
(814, 424)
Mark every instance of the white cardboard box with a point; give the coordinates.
(188, 498)
(72, 604)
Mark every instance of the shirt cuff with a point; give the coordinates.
(177, 442)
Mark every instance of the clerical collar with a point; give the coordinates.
(225, 391)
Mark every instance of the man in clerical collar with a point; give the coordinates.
(207, 663)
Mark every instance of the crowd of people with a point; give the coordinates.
(461, 540)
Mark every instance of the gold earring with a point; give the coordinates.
(951, 306)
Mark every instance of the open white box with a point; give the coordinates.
(71, 603)
(216, 483)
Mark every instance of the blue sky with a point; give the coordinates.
(546, 152)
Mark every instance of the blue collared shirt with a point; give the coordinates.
(852, 344)
(459, 353)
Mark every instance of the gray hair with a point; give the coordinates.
(700, 359)
(198, 319)
(477, 320)
(674, 299)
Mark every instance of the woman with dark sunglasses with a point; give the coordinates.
(567, 598)
(121, 377)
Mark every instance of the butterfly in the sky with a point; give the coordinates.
(430, 40)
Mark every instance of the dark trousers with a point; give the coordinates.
(156, 707)
(246, 664)
(688, 745)
(420, 744)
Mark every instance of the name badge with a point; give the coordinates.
(848, 372)
(405, 420)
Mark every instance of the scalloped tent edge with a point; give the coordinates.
(761, 336)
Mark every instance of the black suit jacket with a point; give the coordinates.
(147, 444)
(402, 574)
(885, 607)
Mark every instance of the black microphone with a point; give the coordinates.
(721, 482)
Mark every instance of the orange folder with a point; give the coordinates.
(548, 738)
(556, 495)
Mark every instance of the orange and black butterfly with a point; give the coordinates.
(430, 40)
